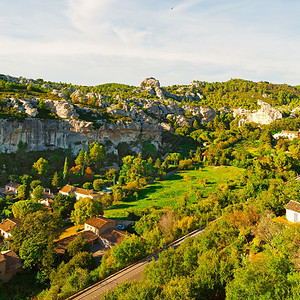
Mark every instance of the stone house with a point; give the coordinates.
(79, 192)
(287, 134)
(113, 237)
(105, 229)
(293, 211)
(7, 225)
(12, 188)
(99, 224)
(10, 265)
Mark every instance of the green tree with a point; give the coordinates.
(22, 192)
(38, 192)
(34, 184)
(97, 154)
(263, 278)
(23, 208)
(55, 180)
(66, 169)
(77, 245)
(31, 251)
(41, 166)
(98, 184)
(84, 209)
(63, 204)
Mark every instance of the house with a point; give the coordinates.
(99, 224)
(113, 237)
(293, 211)
(12, 188)
(7, 225)
(287, 134)
(105, 229)
(79, 192)
(10, 265)
(61, 245)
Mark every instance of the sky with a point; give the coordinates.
(92, 42)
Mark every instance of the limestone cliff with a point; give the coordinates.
(265, 115)
(42, 134)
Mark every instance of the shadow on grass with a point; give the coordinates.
(120, 206)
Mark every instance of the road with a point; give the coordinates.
(133, 272)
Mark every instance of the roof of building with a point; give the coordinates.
(67, 188)
(83, 191)
(114, 236)
(7, 224)
(287, 131)
(98, 222)
(61, 245)
(13, 262)
(294, 206)
(13, 184)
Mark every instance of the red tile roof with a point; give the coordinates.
(67, 188)
(98, 222)
(8, 224)
(13, 185)
(114, 236)
(294, 206)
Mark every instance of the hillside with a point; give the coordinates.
(48, 115)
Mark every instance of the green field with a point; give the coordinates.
(168, 192)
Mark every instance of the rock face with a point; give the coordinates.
(265, 115)
(64, 109)
(53, 134)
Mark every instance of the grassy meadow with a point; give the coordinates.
(169, 191)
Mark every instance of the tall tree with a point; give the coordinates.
(66, 169)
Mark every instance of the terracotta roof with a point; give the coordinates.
(114, 236)
(13, 262)
(61, 245)
(98, 222)
(293, 132)
(294, 206)
(83, 191)
(13, 184)
(67, 188)
(8, 224)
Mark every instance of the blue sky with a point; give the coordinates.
(97, 41)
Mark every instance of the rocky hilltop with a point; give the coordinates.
(51, 116)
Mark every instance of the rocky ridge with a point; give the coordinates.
(135, 119)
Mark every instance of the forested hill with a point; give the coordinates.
(231, 94)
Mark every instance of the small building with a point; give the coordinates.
(293, 211)
(287, 134)
(12, 188)
(113, 237)
(10, 265)
(7, 225)
(89, 236)
(98, 225)
(79, 192)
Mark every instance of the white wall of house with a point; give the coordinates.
(5, 234)
(79, 196)
(91, 228)
(292, 216)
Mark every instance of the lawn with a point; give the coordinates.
(168, 192)
(69, 230)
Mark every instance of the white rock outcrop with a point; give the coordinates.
(265, 115)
